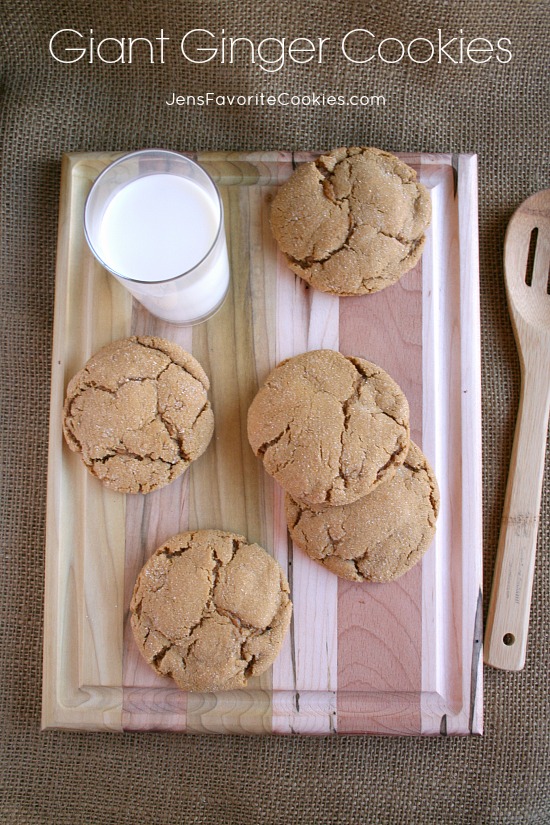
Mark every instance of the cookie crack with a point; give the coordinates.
(128, 454)
(298, 517)
(388, 414)
(263, 448)
(91, 384)
(409, 243)
(206, 407)
(70, 433)
(234, 618)
(217, 563)
(434, 503)
(172, 431)
(326, 178)
(355, 563)
(169, 553)
(393, 459)
(249, 669)
(191, 638)
(210, 607)
(362, 372)
(347, 413)
(94, 385)
(157, 659)
(235, 545)
(176, 436)
(311, 260)
(367, 377)
(333, 541)
(167, 367)
(321, 168)
(159, 656)
(239, 623)
(347, 409)
(177, 439)
(171, 361)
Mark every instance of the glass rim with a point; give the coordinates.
(125, 157)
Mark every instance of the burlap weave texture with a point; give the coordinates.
(501, 112)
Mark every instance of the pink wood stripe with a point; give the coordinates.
(380, 625)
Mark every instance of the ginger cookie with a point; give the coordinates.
(352, 221)
(329, 428)
(210, 610)
(378, 537)
(138, 413)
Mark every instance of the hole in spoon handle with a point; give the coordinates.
(531, 257)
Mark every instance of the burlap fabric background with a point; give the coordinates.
(500, 112)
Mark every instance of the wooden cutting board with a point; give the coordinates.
(398, 658)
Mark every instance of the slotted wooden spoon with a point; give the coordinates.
(526, 273)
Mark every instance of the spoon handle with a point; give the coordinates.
(508, 617)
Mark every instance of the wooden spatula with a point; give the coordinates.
(526, 272)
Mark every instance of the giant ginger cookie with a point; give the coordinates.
(329, 428)
(378, 537)
(138, 413)
(352, 221)
(210, 610)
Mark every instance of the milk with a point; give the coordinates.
(160, 236)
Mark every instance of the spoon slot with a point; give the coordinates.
(541, 263)
(531, 256)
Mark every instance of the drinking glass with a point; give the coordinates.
(154, 219)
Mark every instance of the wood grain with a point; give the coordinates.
(398, 658)
(383, 623)
(529, 301)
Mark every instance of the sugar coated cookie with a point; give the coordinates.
(329, 428)
(352, 221)
(138, 413)
(378, 537)
(210, 610)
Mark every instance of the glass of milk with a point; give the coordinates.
(154, 219)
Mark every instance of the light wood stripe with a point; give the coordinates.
(452, 689)
(305, 320)
(150, 520)
(441, 683)
(312, 323)
(471, 494)
(224, 490)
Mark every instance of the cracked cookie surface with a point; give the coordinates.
(138, 413)
(210, 610)
(352, 221)
(329, 428)
(380, 536)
